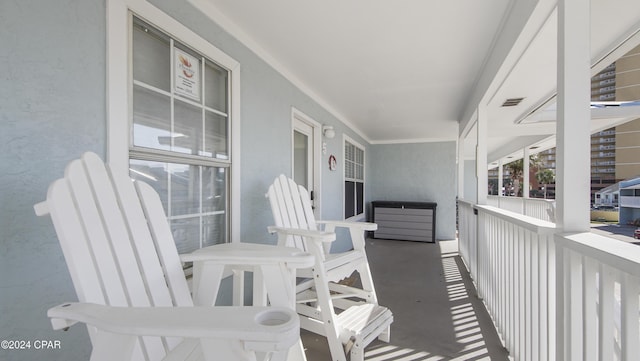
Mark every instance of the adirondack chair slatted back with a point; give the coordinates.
(117, 242)
(291, 208)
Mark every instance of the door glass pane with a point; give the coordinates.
(300, 158)
(215, 87)
(187, 129)
(151, 56)
(151, 119)
(215, 133)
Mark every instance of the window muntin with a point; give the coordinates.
(180, 137)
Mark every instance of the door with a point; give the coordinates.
(306, 156)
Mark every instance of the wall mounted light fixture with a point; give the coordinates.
(328, 131)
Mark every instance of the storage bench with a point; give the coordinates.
(410, 221)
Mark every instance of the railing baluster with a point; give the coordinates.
(510, 288)
(528, 339)
(534, 298)
(574, 308)
(605, 312)
(543, 299)
(590, 336)
(552, 328)
(630, 287)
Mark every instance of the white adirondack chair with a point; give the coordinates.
(348, 316)
(132, 291)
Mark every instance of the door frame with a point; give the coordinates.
(316, 149)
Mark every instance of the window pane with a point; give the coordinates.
(186, 234)
(360, 164)
(185, 189)
(215, 87)
(151, 56)
(214, 189)
(215, 133)
(151, 119)
(214, 229)
(349, 170)
(153, 173)
(180, 122)
(349, 199)
(187, 129)
(359, 198)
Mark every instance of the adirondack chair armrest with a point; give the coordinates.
(277, 328)
(41, 209)
(318, 236)
(250, 254)
(356, 230)
(363, 226)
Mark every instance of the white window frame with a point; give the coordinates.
(119, 102)
(346, 139)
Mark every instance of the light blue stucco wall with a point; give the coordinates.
(52, 108)
(417, 172)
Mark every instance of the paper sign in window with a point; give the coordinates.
(187, 75)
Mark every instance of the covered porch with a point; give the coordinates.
(428, 122)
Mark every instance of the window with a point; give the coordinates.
(180, 134)
(354, 179)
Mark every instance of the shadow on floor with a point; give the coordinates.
(436, 313)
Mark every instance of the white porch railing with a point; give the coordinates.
(532, 207)
(553, 297)
(598, 286)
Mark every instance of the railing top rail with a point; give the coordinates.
(615, 253)
(540, 200)
(464, 201)
(533, 224)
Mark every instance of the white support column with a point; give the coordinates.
(574, 116)
(481, 156)
(525, 176)
(500, 177)
(573, 163)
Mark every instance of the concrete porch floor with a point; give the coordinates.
(436, 313)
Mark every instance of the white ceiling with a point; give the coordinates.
(407, 70)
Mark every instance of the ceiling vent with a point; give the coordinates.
(512, 102)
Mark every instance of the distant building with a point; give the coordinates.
(630, 201)
(608, 196)
(615, 152)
